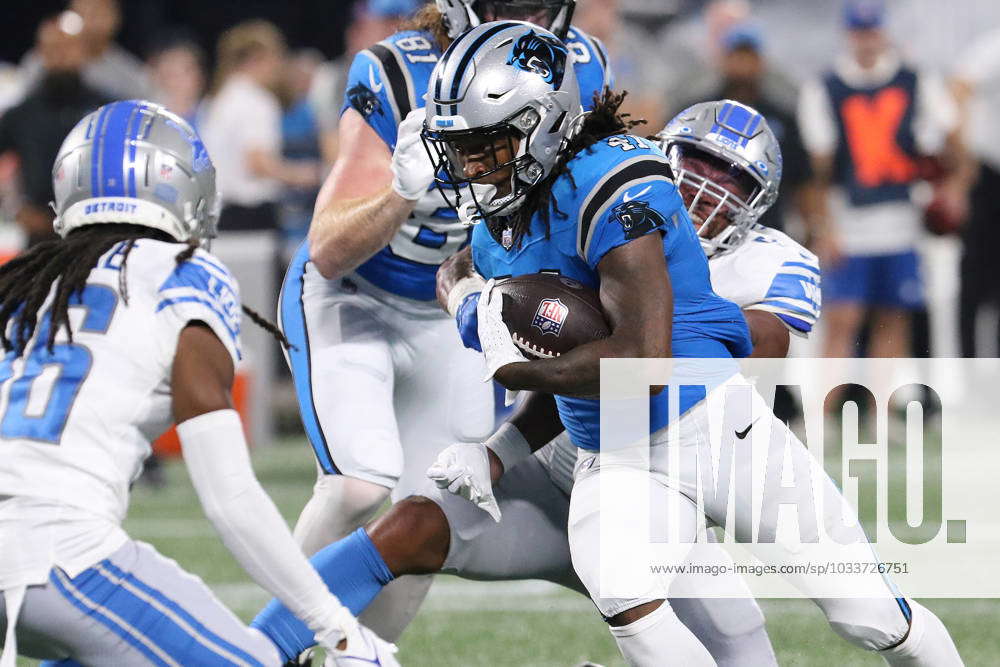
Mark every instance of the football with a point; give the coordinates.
(548, 314)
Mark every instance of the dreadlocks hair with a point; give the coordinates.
(26, 280)
(605, 120)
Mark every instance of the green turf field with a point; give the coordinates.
(464, 624)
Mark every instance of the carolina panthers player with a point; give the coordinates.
(115, 331)
(382, 380)
(600, 207)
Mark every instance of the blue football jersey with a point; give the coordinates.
(623, 191)
(384, 83)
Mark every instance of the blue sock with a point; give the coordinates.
(352, 569)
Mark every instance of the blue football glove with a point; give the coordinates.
(467, 319)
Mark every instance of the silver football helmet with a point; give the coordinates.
(737, 140)
(508, 84)
(462, 15)
(135, 162)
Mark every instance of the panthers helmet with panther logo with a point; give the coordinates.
(461, 15)
(738, 140)
(506, 80)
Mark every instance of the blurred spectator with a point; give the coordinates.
(242, 128)
(242, 131)
(34, 129)
(744, 76)
(177, 72)
(646, 63)
(866, 122)
(659, 54)
(300, 144)
(977, 83)
(108, 67)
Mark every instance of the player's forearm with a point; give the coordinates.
(537, 419)
(346, 233)
(247, 520)
(578, 372)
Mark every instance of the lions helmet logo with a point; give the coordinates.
(364, 101)
(541, 55)
(637, 218)
(550, 316)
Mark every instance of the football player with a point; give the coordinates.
(382, 380)
(141, 328)
(727, 186)
(421, 534)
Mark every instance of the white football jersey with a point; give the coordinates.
(76, 423)
(769, 271)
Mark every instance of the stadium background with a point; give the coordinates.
(469, 623)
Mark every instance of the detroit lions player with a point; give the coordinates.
(112, 333)
(382, 380)
(727, 186)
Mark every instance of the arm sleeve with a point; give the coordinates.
(794, 294)
(368, 92)
(619, 213)
(246, 519)
(817, 126)
(202, 289)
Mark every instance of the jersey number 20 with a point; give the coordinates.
(68, 362)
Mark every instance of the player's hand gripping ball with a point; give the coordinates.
(548, 314)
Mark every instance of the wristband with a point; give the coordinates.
(463, 288)
(509, 445)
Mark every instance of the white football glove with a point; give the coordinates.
(464, 469)
(412, 168)
(494, 336)
(363, 647)
(342, 625)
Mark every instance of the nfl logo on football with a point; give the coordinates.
(550, 316)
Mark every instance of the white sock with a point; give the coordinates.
(659, 639)
(732, 629)
(928, 643)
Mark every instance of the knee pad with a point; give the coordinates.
(870, 624)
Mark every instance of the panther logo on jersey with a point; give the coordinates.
(364, 101)
(541, 55)
(637, 218)
(550, 316)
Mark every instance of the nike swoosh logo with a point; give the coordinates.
(742, 434)
(375, 86)
(628, 197)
